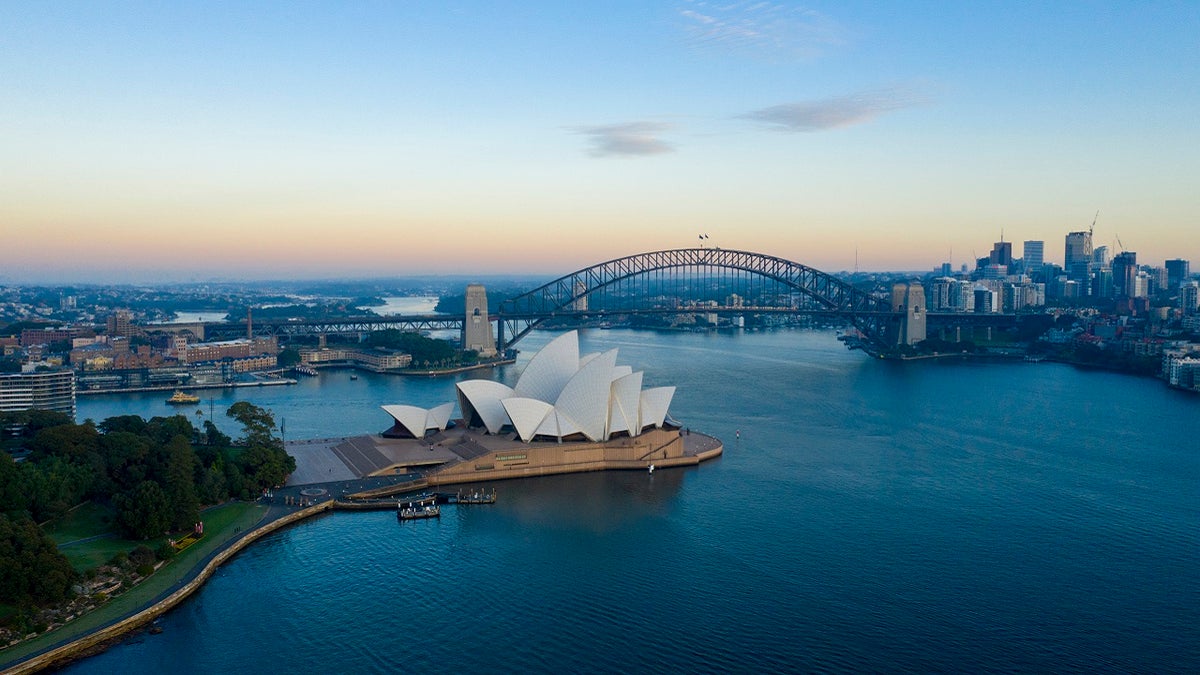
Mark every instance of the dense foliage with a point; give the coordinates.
(156, 474)
(426, 352)
(32, 571)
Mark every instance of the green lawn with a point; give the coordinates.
(88, 538)
(86, 520)
(219, 525)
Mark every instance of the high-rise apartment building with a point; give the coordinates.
(41, 390)
(1189, 297)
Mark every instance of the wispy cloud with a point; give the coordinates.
(766, 29)
(833, 113)
(631, 139)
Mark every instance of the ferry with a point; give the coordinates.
(180, 398)
(412, 513)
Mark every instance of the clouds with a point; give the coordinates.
(630, 139)
(771, 30)
(834, 113)
(643, 138)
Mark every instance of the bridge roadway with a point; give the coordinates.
(427, 322)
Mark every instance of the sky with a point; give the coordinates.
(178, 141)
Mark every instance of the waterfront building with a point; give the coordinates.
(377, 360)
(1178, 271)
(1181, 368)
(227, 349)
(564, 396)
(1033, 256)
(477, 330)
(40, 390)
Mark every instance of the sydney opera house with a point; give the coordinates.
(560, 396)
(567, 413)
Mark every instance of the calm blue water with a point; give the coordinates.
(872, 516)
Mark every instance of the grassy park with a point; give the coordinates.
(85, 535)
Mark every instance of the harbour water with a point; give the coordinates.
(866, 516)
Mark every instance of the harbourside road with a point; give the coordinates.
(175, 581)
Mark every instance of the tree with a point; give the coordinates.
(256, 423)
(142, 513)
(183, 504)
(289, 357)
(32, 571)
(214, 437)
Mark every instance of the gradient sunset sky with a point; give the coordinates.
(174, 141)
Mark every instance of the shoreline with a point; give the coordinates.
(102, 638)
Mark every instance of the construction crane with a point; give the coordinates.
(1093, 227)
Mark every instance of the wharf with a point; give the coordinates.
(270, 382)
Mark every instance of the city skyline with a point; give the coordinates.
(193, 142)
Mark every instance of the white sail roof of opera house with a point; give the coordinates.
(561, 394)
(417, 421)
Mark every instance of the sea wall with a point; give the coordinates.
(89, 643)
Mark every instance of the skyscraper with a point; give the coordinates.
(1034, 255)
(1124, 269)
(1001, 254)
(1078, 262)
(1177, 273)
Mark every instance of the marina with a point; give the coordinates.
(419, 512)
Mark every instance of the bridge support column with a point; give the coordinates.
(321, 341)
(477, 330)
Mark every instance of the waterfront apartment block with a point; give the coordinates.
(40, 390)
(370, 359)
(229, 349)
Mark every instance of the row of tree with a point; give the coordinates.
(155, 474)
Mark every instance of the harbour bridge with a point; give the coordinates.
(688, 281)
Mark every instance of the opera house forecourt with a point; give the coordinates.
(567, 413)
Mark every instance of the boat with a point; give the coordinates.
(475, 497)
(353, 376)
(413, 513)
(181, 398)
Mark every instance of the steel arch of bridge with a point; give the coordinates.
(561, 296)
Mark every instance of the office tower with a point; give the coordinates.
(1078, 262)
(1001, 254)
(1124, 271)
(1178, 271)
(1033, 255)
